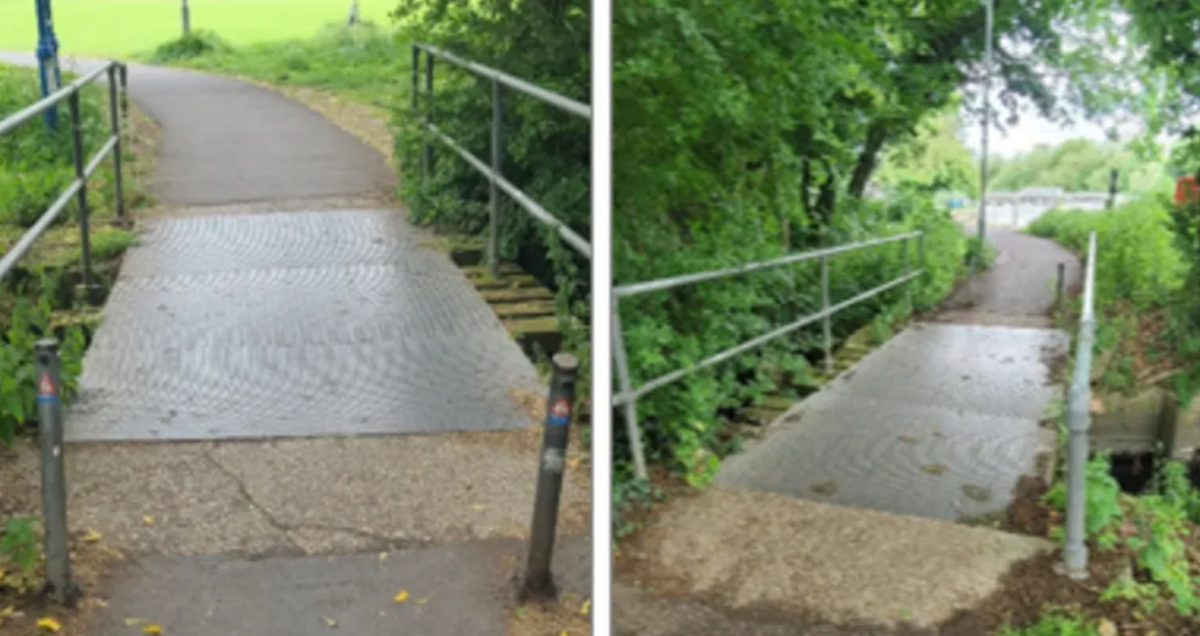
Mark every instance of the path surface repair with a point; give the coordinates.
(843, 513)
(280, 301)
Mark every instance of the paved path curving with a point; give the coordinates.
(275, 297)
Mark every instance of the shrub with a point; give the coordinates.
(194, 44)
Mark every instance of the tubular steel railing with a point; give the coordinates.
(628, 395)
(84, 166)
(1079, 421)
(500, 82)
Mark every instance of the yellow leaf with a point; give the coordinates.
(563, 633)
(100, 602)
(92, 536)
(130, 622)
(48, 624)
(329, 621)
(422, 601)
(152, 629)
(1, 574)
(478, 507)
(587, 607)
(148, 519)
(400, 597)
(8, 611)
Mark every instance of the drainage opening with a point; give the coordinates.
(1135, 471)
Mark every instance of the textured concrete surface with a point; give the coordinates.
(452, 589)
(297, 324)
(939, 422)
(226, 141)
(758, 551)
(1019, 288)
(306, 496)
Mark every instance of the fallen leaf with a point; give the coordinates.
(563, 633)
(422, 601)
(48, 624)
(329, 621)
(1, 574)
(100, 602)
(935, 468)
(400, 597)
(478, 507)
(92, 536)
(148, 519)
(383, 556)
(152, 629)
(1106, 628)
(130, 622)
(587, 607)
(8, 611)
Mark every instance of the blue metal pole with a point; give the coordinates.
(53, 43)
(48, 74)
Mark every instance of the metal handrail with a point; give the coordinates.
(629, 395)
(118, 77)
(493, 172)
(1079, 421)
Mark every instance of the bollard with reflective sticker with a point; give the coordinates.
(538, 582)
(59, 585)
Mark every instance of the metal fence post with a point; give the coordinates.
(1060, 286)
(427, 148)
(827, 320)
(538, 581)
(59, 585)
(85, 244)
(908, 287)
(187, 19)
(124, 72)
(115, 116)
(631, 421)
(493, 193)
(1075, 553)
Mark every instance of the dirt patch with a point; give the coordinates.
(569, 616)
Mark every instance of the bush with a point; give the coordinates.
(1137, 253)
(195, 44)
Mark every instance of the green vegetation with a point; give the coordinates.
(365, 63)
(124, 27)
(1146, 325)
(1054, 624)
(1078, 165)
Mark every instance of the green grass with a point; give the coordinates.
(122, 28)
(365, 63)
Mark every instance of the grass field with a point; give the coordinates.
(124, 27)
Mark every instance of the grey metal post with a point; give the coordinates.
(427, 148)
(493, 192)
(827, 321)
(85, 232)
(983, 161)
(908, 289)
(115, 116)
(538, 581)
(1075, 553)
(1060, 286)
(59, 585)
(416, 114)
(125, 98)
(187, 19)
(631, 419)
(1112, 189)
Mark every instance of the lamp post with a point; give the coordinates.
(989, 5)
(187, 18)
(49, 74)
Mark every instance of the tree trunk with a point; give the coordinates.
(827, 196)
(867, 158)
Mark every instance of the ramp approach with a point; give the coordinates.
(262, 305)
(940, 422)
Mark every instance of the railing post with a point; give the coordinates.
(538, 581)
(908, 287)
(85, 244)
(59, 585)
(494, 194)
(1075, 553)
(427, 148)
(631, 421)
(124, 72)
(1060, 287)
(827, 320)
(115, 116)
(186, 14)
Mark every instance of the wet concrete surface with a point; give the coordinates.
(451, 589)
(1020, 287)
(226, 141)
(298, 324)
(939, 422)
